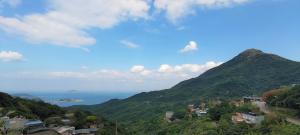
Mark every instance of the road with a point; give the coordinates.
(264, 108)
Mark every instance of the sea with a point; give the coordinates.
(65, 99)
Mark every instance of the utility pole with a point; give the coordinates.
(116, 127)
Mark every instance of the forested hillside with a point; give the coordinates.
(250, 73)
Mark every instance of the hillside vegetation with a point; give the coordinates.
(286, 97)
(28, 108)
(251, 72)
(217, 122)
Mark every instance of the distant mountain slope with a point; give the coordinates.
(28, 108)
(27, 96)
(251, 72)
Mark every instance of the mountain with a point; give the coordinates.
(29, 108)
(251, 72)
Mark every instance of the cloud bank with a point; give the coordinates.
(176, 9)
(68, 25)
(137, 78)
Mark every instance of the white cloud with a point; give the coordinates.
(188, 69)
(66, 24)
(140, 70)
(11, 3)
(192, 46)
(129, 44)
(137, 69)
(137, 78)
(7, 56)
(176, 9)
(39, 28)
(165, 68)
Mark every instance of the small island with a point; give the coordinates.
(69, 100)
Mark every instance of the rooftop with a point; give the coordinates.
(33, 122)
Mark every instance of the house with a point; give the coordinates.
(89, 131)
(169, 116)
(4, 119)
(32, 126)
(248, 99)
(16, 123)
(21, 125)
(94, 126)
(201, 112)
(66, 121)
(252, 118)
(83, 132)
(191, 108)
(237, 118)
(65, 130)
(249, 117)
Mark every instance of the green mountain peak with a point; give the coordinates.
(251, 72)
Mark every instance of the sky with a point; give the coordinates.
(134, 45)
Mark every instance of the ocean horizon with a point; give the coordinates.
(65, 99)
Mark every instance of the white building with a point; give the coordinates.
(65, 130)
(200, 112)
(252, 118)
(169, 115)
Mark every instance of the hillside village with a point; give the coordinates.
(255, 116)
(247, 111)
(19, 125)
(20, 116)
(237, 117)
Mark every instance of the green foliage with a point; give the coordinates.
(53, 120)
(184, 127)
(216, 112)
(285, 129)
(290, 98)
(92, 119)
(29, 108)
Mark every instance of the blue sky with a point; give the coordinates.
(134, 45)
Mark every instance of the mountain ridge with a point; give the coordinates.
(251, 72)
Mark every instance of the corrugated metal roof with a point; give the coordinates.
(33, 122)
